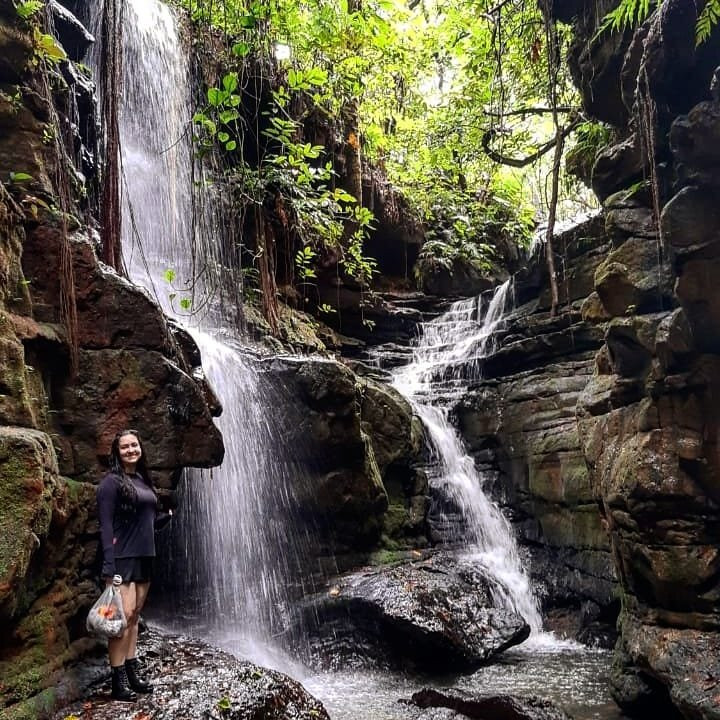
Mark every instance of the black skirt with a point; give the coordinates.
(135, 569)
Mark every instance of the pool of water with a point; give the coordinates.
(573, 677)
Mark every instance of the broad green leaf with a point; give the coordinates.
(240, 49)
(215, 96)
(48, 47)
(316, 76)
(230, 82)
(227, 116)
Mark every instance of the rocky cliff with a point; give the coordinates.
(69, 380)
(648, 417)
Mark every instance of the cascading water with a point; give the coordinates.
(156, 165)
(462, 336)
(240, 548)
(242, 545)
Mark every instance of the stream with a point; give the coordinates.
(574, 678)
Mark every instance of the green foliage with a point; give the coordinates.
(223, 705)
(47, 48)
(292, 174)
(589, 139)
(19, 177)
(424, 83)
(708, 19)
(184, 302)
(630, 13)
(27, 9)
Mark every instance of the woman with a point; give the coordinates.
(128, 512)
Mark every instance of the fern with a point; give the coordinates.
(709, 18)
(632, 12)
(627, 14)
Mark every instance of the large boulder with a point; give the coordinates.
(634, 278)
(454, 277)
(194, 680)
(436, 614)
(128, 373)
(397, 438)
(360, 446)
(344, 492)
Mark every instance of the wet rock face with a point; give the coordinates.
(458, 277)
(436, 614)
(647, 419)
(193, 680)
(498, 707)
(359, 443)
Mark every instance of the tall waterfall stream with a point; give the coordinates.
(241, 544)
(464, 333)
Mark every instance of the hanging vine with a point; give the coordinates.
(553, 62)
(111, 75)
(50, 54)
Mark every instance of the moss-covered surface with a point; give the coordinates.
(28, 481)
(41, 705)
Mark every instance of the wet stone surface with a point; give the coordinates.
(435, 615)
(193, 680)
(437, 705)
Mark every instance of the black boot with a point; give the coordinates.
(137, 683)
(120, 688)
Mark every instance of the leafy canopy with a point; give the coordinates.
(435, 84)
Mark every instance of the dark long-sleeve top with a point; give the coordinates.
(126, 532)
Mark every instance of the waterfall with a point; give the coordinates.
(156, 152)
(464, 335)
(240, 546)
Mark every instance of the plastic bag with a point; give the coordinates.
(106, 617)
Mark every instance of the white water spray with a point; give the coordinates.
(461, 337)
(241, 545)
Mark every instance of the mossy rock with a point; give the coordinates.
(28, 483)
(40, 705)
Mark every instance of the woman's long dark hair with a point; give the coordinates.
(128, 493)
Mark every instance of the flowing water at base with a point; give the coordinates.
(575, 679)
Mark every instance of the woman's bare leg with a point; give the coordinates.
(118, 648)
(141, 592)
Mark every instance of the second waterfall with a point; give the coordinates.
(449, 344)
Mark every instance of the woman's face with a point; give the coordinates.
(129, 450)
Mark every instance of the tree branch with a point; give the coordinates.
(532, 111)
(528, 159)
